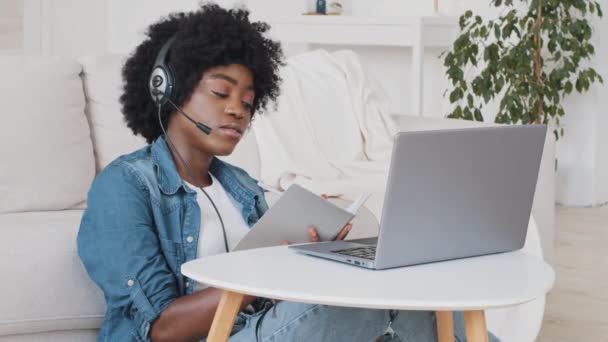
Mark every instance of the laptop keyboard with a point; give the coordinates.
(367, 252)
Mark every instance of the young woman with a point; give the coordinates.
(191, 90)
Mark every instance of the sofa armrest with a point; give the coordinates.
(543, 207)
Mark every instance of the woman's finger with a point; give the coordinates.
(344, 232)
(313, 235)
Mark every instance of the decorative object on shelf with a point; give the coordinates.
(529, 61)
(335, 7)
(321, 7)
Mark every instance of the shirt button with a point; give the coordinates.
(189, 239)
(130, 283)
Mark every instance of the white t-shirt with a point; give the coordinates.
(211, 237)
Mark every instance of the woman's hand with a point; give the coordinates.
(313, 236)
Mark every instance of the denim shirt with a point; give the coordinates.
(141, 224)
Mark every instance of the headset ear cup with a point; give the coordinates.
(160, 84)
(157, 85)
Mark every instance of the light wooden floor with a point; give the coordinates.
(577, 307)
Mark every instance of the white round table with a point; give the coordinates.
(471, 285)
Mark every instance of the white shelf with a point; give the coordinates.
(364, 20)
(353, 30)
(417, 33)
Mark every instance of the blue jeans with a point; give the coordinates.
(295, 322)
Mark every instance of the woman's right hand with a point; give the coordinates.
(313, 235)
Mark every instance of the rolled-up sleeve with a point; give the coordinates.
(120, 249)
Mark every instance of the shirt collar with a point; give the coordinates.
(169, 180)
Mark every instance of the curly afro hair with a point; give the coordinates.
(211, 36)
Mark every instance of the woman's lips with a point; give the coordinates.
(230, 132)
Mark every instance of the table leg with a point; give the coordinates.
(445, 326)
(475, 326)
(226, 312)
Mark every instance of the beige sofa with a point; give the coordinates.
(62, 124)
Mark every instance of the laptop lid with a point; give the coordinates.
(458, 193)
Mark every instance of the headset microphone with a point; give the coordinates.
(162, 84)
(206, 129)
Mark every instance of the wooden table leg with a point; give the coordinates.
(475, 326)
(445, 326)
(226, 312)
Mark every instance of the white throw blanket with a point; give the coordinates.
(331, 131)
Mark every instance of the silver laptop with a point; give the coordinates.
(450, 194)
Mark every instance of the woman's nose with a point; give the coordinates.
(236, 108)
(236, 112)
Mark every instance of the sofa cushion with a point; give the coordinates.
(46, 149)
(314, 124)
(45, 287)
(101, 76)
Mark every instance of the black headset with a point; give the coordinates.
(162, 84)
(162, 78)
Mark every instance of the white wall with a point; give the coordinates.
(600, 97)
(68, 28)
(11, 25)
(77, 27)
(601, 152)
(582, 176)
(127, 20)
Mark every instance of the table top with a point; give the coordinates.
(478, 283)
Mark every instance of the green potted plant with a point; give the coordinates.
(528, 60)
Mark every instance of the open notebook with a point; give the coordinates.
(289, 218)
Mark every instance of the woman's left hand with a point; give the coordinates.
(313, 235)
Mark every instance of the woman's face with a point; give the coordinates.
(222, 100)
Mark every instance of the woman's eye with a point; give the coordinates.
(217, 93)
(246, 104)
